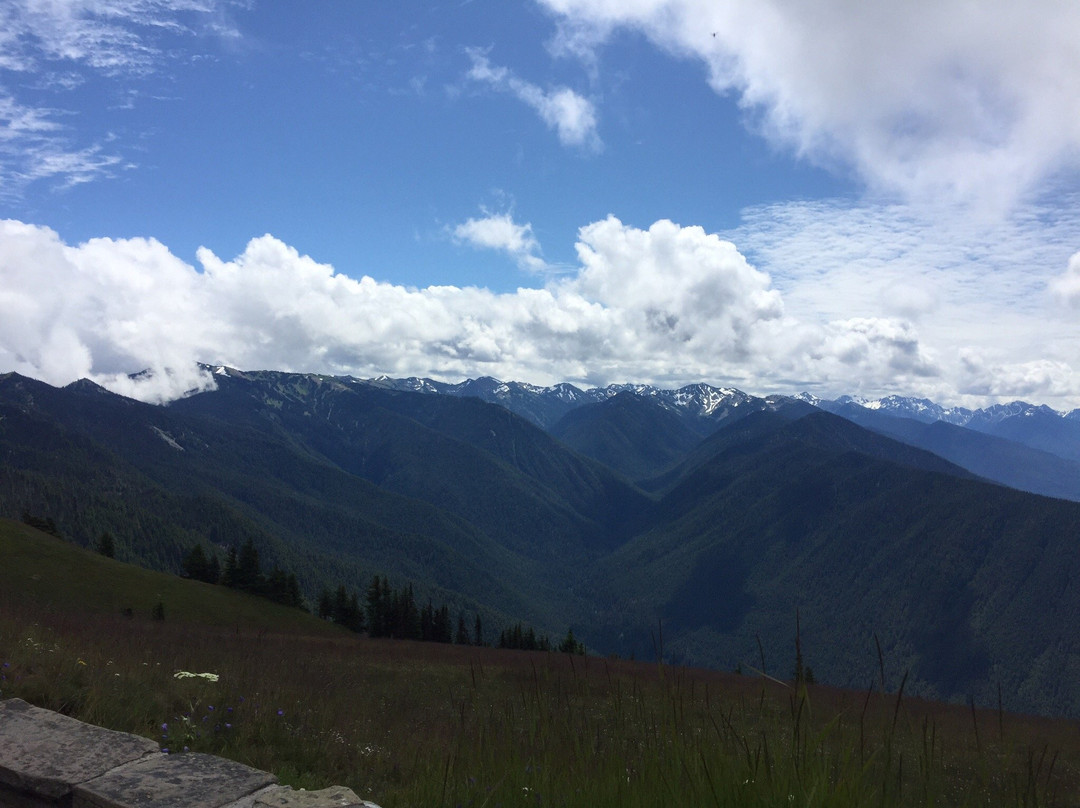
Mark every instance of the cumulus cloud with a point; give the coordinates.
(499, 231)
(669, 305)
(572, 116)
(1066, 287)
(678, 286)
(976, 102)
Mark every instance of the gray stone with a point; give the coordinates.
(48, 754)
(333, 797)
(172, 781)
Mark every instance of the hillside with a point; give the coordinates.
(42, 574)
(966, 585)
(408, 723)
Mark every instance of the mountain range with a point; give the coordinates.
(1030, 447)
(695, 523)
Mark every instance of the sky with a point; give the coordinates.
(774, 195)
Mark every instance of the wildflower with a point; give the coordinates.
(228, 726)
(281, 712)
(165, 749)
(164, 727)
(210, 707)
(210, 677)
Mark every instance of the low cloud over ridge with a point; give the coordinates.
(666, 305)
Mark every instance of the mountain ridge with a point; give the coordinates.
(780, 508)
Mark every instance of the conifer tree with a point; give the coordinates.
(198, 567)
(248, 575)
(326, 604)
(229, 576)
(441, 625)
(376, 608)
(570, 645)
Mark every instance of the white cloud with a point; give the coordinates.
(109, 36)
(119, 39)
(668, 305)
(1066, 287)
(499, 231)
(930, 98)
(1040, 379)
(34, 145)
(572, 116)
(966, 285)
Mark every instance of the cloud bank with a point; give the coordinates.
(668, 305)
(975, 102)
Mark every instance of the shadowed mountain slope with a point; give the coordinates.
(965, 584)
(632, 434)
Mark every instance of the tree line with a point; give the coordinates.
(242, 570)
(385, 611)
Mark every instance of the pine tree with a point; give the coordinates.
(197, 566)
(427, 622)
(230, 576)
(570, 645)
(376, 608)
(326, 604)
(213, 570)
(441, 625)
(462, 637)
(106, 546)
(248, 575)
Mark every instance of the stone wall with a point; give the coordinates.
(49, 759)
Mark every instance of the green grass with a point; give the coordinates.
(415, 724)
(54, 575)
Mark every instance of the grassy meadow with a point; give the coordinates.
(424, 724)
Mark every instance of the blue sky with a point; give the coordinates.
(767, 195)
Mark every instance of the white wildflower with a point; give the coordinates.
(210, 677)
